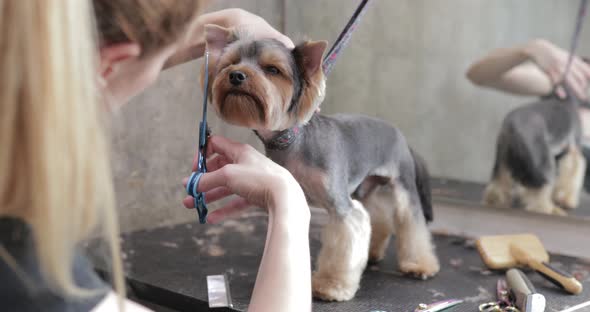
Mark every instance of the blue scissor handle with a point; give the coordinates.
(199, 198)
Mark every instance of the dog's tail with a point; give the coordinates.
(423, 185)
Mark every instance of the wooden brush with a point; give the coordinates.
(508, 251)
(551, 273)
(495, 250)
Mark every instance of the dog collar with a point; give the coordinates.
(282, 140)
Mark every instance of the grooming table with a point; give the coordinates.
(168, 266)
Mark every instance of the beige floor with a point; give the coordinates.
(562, 235)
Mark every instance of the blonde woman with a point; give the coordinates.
(57, 84)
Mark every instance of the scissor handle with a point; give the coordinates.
(490, 307)
(198, 197)
(496, 307)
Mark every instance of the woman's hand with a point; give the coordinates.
(283, 282)
(257, 26)
(239, 169)
(553, 61)
(193, 46)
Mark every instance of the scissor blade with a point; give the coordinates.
(440, 305)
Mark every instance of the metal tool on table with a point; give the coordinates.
(526, 298)
(218, 291)
(438, 306)
(503, 303)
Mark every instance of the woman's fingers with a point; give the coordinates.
(217, 162)
(554, 75)
(580, 80)
(233, 151)
(188, 202)
(230, 209)
(217, 178)
(217, 194)
(561, 92)
(210, 197)
(575, 86)
(223, 146)
(585, 67)
(219, 145)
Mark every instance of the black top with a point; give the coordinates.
(33, 294)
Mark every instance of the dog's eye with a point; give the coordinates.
(272, 70)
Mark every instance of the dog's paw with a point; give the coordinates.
(566, 200)
(545, 207)
(423, 268)
(494, 196)
(376, 254)
(331, 289)
(559, 211)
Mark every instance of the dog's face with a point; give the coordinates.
(260, 84)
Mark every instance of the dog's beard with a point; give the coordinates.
(242, 109)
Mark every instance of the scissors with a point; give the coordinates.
(438, 306)
(503, 303)
(204, 132)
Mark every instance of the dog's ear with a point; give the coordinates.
(310, 55)
(217, 37)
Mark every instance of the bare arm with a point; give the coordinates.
(509, 69)
(529, 69)
(284, 276)
(194, 45)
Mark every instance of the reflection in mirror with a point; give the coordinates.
(541, 148)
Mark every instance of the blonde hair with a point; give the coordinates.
(54, 157)
(150, 23)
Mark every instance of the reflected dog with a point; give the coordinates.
(342, 162)
(539, 157)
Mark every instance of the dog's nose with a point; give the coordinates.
(237, 77)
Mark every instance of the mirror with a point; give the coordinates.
(413, 74)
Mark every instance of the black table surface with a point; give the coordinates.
(169, 265)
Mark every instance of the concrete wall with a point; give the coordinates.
(405, 63)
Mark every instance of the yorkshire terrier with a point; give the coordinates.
(343, 163)
(539, 161)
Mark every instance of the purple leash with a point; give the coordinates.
(343, 38)
(575, 37)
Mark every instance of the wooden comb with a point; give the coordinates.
(508, 251)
